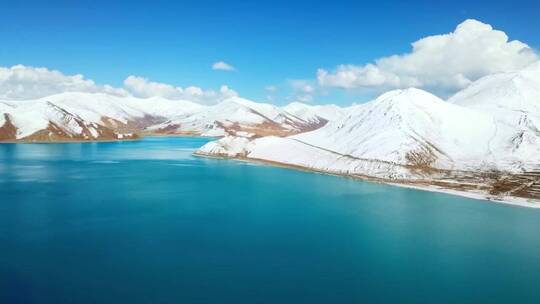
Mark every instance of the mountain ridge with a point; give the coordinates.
(127, 116)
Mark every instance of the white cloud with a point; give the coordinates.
(21, 82)
(302, 86)
(444, 63)
(227, 92)
(303, 90)
(223, 66)
(144, 88)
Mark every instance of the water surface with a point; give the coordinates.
(146, 222)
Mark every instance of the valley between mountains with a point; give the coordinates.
(483, 142)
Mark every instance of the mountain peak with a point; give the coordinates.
(405, 99)
(507, 96)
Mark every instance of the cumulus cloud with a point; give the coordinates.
(443, 63)
(222, 66)
(21, 82)
(227, 92)
(24, 82)
(144, 88)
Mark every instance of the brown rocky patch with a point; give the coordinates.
(267, 128)
(54, 133)
(526, 185)
(131, 126)
(169, 129)
(421, 161)
(8, 132)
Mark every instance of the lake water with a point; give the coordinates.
(146, 222)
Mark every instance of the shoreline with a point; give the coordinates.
(508, 200)
(81, 141)
(75, 141)
(143, 135)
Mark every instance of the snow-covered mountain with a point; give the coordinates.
(511, 97)
(45, 121)
(315, 113)
(414, 127)
(477, 141)
(411, 126)
(238, 115)
(98, 116)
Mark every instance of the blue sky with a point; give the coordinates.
(268, 42)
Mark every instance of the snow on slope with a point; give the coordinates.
(238, 115)
(314, 113)
(43, 121)
(88, 116)
(400, 128)
(95, 106)
(287, 150)
(405, 124)
(269, 111)
(151, 115)
(212, 120)
(511, 97)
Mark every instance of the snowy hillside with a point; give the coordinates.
(239, 115)
(121, 116)
(94, 107)
(413, 127)
(45, 121)
(314, 113)
(511, 97)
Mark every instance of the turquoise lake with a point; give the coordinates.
(146, 222)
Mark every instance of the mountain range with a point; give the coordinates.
(97, 116)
